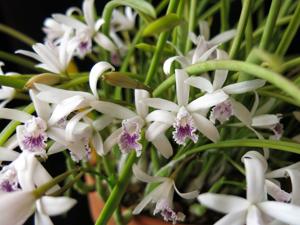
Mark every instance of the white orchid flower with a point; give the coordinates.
(204, 48)
(128, 136)
(53, 58)
(184, 116)
(53, 30)
(123, 21)
(6, 93)
(32, 136)
(224, 110)
(255, 209)
(17, 193)
(293, 172)
(162, 196)
(88, 31)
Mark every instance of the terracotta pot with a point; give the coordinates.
(96, 204)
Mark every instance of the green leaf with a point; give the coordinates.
(144, 9)
(164, 23)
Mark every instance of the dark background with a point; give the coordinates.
(27, 16)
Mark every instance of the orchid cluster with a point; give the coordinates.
(183, 125)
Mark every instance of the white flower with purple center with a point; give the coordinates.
(130, 137)
(204, 50)
(162, 196)
(185, 117)
(88, 31)
(53, 57)
(26, 173)
(184, 127)
(255, 209)
(221, 112)
(8, 180)
(33, 136)
(224, 110)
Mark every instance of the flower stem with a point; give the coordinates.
(160, 46)
(16, 34)
(234, 65)
(192, 22)
(269, 27)
(240, 29)
(289, 33)
(116, 195)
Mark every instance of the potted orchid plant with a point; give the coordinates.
(169, 121)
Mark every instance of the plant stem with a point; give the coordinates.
(116, 195)
(234, 65)
(12, 82)
(289, 33)
(191, 23)
(240, 29)
(16, 34)
(159, 47)
(224, 15)
(269, 27)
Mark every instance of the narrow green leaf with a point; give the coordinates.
(151, 48)
(162, 24)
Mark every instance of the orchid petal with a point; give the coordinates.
(102, 122)
(25, 166)
(204, 29)
(98, 143)
(105, 42)
(161, 116)
(265, 120)
(284, 212)
(282, 172)
(29, 54)
(67, 106)
(234, 218)
(254, 216)
(112, 140)
(163, 104)
(207, 101)
(182, 89)
(8, 154)
(138, 209)
(205, 55)
(113, 109)
(140, 106)
(142, 176)
(276, 192)
(188, 195)
(71, 125)
(13, 114)
(55, 148)
(88, 12)
(69, 21)
(42, 109)
(256, 167)
(255, 104)
(21, 202)
(223, 203)
(42, 219)
(243, 87)
(201, 83)
(54, 206)
(168, 63)
(206, 127)
(241, 112)
(155, 130)
(220, 75)
(163, 146)
(97, 71)
(56, 95)
(223, 37)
